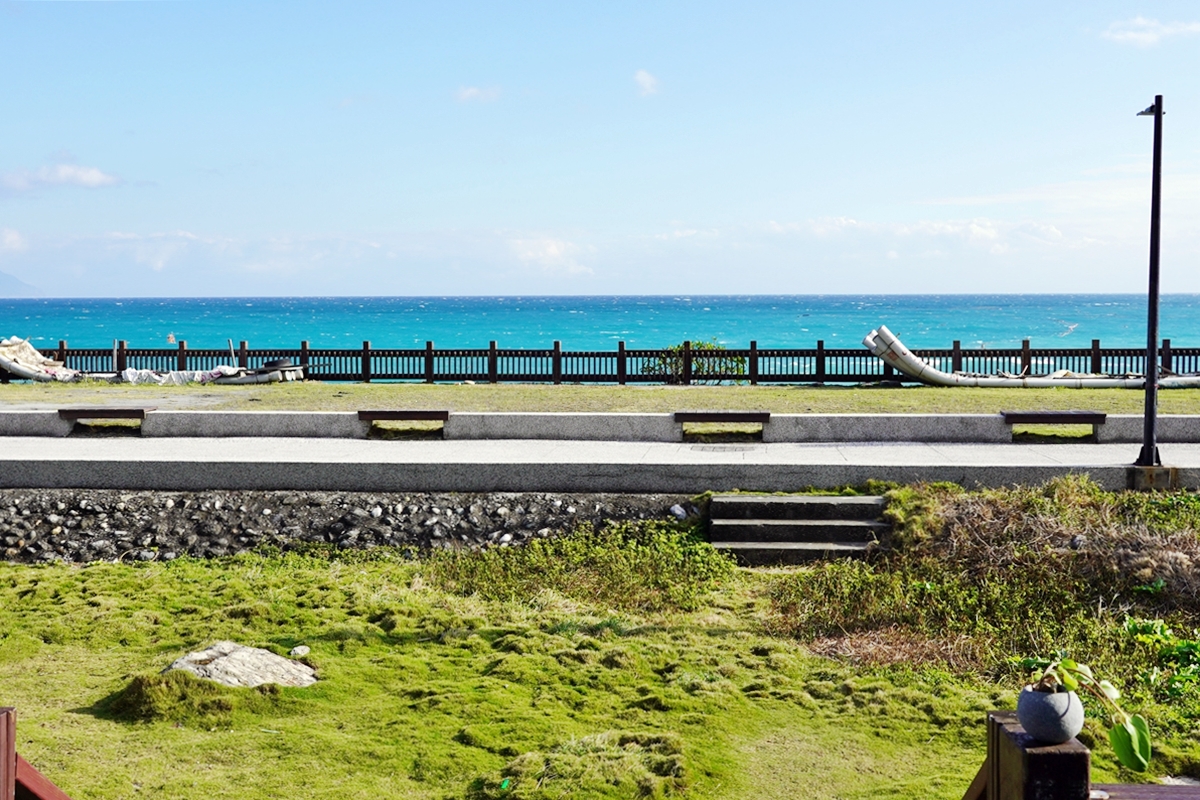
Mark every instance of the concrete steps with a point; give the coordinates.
(765, 529)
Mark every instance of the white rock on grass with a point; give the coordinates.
(232, 664)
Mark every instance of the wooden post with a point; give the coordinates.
(956, 356)
(243, 354)
(366, 362)
(1021, 768)
(304, 353)
(493, 364)
(122, 358)
(557, 364)
(687, 363)
(620, 363)
(1096, 364)
(8, 753)
(62, 351)
(1026, 358)
(429, 362)
(753, 362)
(181, 363)
(820, 360)
(1166, 355)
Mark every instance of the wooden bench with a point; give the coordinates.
(75, 414)
(1093, 418)
(390, 415)
(723, 416)
(18, 779)
(1018, 767)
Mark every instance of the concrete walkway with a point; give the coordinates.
(547, 465)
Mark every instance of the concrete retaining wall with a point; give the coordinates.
(289, 424)
(583, 427)
(34, 423)
(804, 428)
(192, 475)
(981, 428)
(1129, 428)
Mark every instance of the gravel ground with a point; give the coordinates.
(88, 525)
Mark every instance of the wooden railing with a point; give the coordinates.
(18, 779)
(685, 365)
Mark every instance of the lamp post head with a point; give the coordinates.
(1155, 109)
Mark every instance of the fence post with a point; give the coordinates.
(556, 368)
(820, 360)
(181, 363)
(1026, 358)
(493, 363)
(620, 363)
(429, 362)
(687, 363)
(8, 753)
(122, 359)
(956, 356)
(366, 362)
(1096, 363)
(753, 362)
(62, 351)
(1166, 356)
(304, 354)
(243, 354)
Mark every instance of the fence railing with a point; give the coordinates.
(683, 365)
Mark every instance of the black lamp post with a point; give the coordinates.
(1149, 455)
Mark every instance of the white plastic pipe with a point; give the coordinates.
(884, 344)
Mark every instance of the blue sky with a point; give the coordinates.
(206, 148)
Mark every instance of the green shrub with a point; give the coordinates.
(708, 362)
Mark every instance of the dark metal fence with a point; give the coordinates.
(685, 364)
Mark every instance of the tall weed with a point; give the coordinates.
(632, 566)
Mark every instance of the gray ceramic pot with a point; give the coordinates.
(1050, 717)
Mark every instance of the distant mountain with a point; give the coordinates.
(14, 287)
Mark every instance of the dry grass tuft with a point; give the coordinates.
(894, 645)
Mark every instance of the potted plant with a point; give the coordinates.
(1049, 709)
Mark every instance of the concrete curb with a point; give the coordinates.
(218, 424)
(594, 427)
(34, 423)
(980, 428)
(782, 428)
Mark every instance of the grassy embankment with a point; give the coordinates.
(633, 662)
(317, 396)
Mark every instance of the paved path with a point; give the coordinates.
(529, 465)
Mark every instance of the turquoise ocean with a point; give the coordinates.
(599, 322)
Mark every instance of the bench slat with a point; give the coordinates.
(400, 414)
(1054, 417)
(723, 416)
(104, 413)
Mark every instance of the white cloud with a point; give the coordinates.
(479, 94)
(11, 241)
(64, 174)
(552, 255)
(1148, 32)
(647, 83)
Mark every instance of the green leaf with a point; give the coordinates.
(1085, 671)
(1068, 664)
(1069, 681)
(1143, 741)
(1131, 742)
(1109, 690)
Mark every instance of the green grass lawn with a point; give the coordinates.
(429, 694)
(540, 397)
(631, 662)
